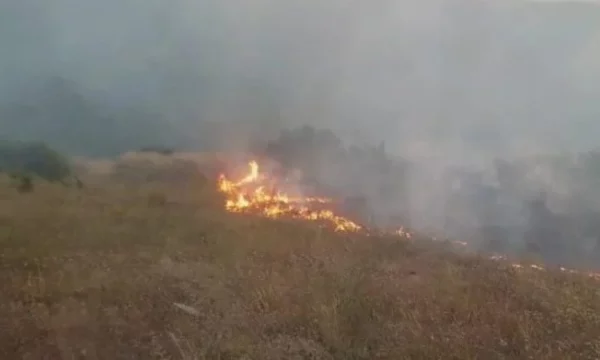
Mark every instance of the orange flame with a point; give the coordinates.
(517, 266)
(250, 194)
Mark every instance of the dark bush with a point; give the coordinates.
(25, 184)
(35, 159)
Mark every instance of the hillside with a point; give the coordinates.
(126, 268)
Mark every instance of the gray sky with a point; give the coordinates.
(434, 77)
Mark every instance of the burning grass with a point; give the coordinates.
(108, 272)
(257, 193)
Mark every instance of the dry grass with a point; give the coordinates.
(160, 271)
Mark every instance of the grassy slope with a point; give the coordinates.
(95, 274)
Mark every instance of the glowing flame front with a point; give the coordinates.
(250, 194)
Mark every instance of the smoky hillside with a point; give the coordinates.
(466, 119)
(541, 207)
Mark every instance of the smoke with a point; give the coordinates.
(456, 75)
(445, 84)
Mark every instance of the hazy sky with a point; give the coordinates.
(430, 77)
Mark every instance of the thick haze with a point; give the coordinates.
(426, 76)
(442, 82)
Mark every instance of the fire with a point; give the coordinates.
(517, 266)
(255, 193)
(402, 232)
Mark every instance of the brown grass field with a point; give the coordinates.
(158, 270)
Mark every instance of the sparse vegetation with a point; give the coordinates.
(148, 167)
(159, 270)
